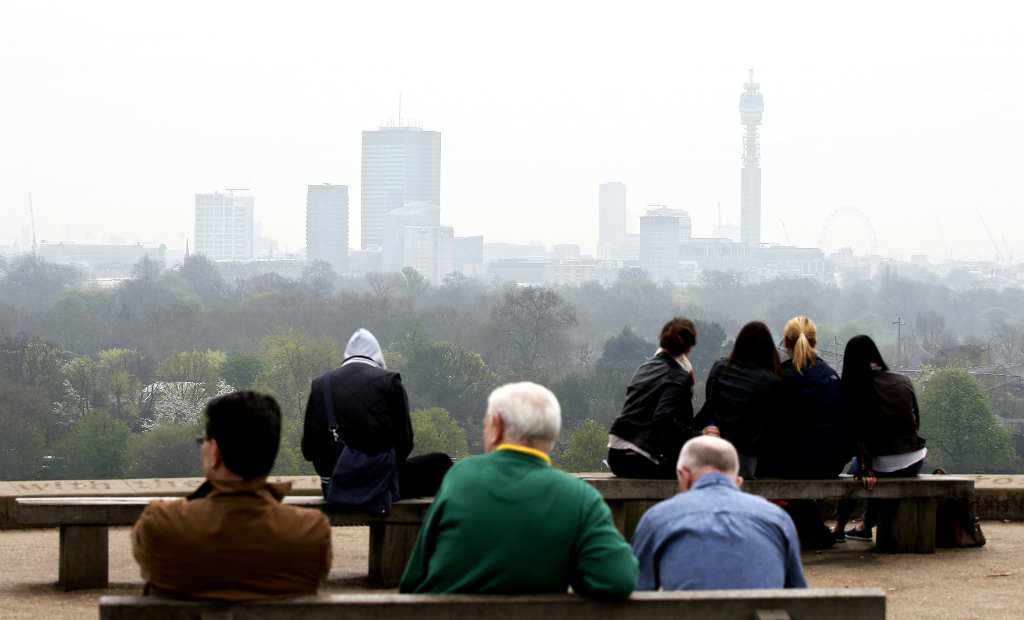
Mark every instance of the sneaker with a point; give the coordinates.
(862, 535)
(840, 536)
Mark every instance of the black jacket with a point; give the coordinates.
(886, 421)
(806, 428)
(372, 411)
(658, 411)
(738, 401)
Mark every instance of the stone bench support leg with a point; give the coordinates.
(391, 546)
(626, 514)
(906, 525)
(83, 557)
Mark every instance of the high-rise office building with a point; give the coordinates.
(685, 225)
(611, 213)
(395, 221)
(468, 251)
(751, 108)
(430, 250)
(327, 225)
(659, 247)
(400, 165)
(224, 226)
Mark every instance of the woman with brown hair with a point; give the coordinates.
(804, 437)
(656, 418)
(741, 392)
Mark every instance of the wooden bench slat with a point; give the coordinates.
(921, 487)
(126, 510)
(833, 603)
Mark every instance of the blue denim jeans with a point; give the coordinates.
(845, 507)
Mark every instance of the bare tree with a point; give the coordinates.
(529, 321)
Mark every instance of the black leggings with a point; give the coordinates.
(845, 507)
(632, 464)
(420, 476)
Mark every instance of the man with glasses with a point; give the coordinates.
(233, 540)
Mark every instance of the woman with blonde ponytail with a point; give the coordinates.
(804, 436)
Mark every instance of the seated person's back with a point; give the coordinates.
(233, 540)
(509, 523)
(712, 536)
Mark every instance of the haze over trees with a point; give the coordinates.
(112, 382)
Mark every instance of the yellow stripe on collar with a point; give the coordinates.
(525, 450)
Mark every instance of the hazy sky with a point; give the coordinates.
(113, 115)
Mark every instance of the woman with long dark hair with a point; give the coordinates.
(880, 411)
(657, 417)
(741, 391)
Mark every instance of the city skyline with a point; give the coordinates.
(525, 135)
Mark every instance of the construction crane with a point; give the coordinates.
(942, 233)
(999, 255)
(32, 218)
(1009, 252)
(785, 231)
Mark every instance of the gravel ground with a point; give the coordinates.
(985, 583)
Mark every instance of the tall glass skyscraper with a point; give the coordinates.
(401, 165)
(327, 225)
(611, 213)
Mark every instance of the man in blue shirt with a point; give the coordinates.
(712, 536)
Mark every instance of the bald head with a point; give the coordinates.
(709, 453)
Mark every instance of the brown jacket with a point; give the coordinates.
(238, 543)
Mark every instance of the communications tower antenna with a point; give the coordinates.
(942, 233)
(999, 255)
(32, 218)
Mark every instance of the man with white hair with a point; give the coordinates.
(509, 523)
(712, 536)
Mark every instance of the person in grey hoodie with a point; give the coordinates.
(371, 414)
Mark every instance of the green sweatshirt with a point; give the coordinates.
(509, 523)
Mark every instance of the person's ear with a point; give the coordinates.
(497, 427)
(215, 454)
(739, 482)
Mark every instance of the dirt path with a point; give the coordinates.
(986, 583)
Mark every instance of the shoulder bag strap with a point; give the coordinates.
(332, 422)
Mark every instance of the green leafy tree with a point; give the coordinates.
(203, 278)
(588, 447)
(412, 283)
(434, 430)
(241, 370)
(289, 461)
(165, 452)
(960, 426)
(712, 343)
(120, 381)
(294, 359)
(625, 352)
(23, 414)
(319, 276)
(94, 447)
(451, 377)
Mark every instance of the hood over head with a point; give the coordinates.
(363, 344)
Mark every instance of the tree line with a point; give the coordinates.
(111, 382)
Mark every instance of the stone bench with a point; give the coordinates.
(832, 603)
(906, 515)
(84, 524)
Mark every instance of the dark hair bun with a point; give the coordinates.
(678, 336)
